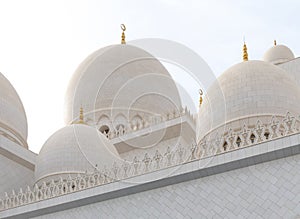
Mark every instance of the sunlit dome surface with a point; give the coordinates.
(13, 121)
(278, 54)
(246, 92)
(120, 79)
(74, 149)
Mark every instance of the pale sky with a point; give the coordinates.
(42, 42)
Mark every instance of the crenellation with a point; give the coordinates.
(147, 164)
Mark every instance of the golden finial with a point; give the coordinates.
(200, 98)
(123, 27)
(245, 53)
(275, 43)
(81, 116)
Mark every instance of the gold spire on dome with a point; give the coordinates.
(81, 118)
(245, 53)
(275, 43)
(200, 98)
(123, 27)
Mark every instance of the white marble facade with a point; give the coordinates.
(258, 191)
(134, 151)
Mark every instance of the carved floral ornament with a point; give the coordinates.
(159, 160)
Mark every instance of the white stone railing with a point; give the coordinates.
(220, 144)
(133, 127)
(248, 136)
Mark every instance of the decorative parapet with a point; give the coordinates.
(133, 126)
(220, 144)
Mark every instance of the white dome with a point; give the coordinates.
(13, 121)
(74, 149)
(246, 92)
(120, 79)
(278, 54)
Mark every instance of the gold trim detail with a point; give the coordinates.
(123, 28)
(81, 117)
(245, 52)
(200, 98)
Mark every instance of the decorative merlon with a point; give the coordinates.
(223, 143)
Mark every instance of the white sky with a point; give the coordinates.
(42, 42)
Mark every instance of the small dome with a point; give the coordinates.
(120, 80)
(74, 149)
(278, 54)
(13, 121)
(246, 92)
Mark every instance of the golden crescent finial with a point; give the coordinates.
(123, 27)
(200, 98)
(200, 92)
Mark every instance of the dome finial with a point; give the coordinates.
(200, 98)
(245, 53)
(123, 27)
(275, 43)
(81, 116)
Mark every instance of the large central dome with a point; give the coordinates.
(119, 83)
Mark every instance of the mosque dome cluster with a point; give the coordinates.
(131, 137)
(116, 85)
(125, 86)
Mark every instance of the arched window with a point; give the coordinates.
(238, 141)
(120, 128)
(103, 119)
(267, 134)
(252, 138)
(225, 146)
(104, 129)
(137, 122)
(120, 119)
